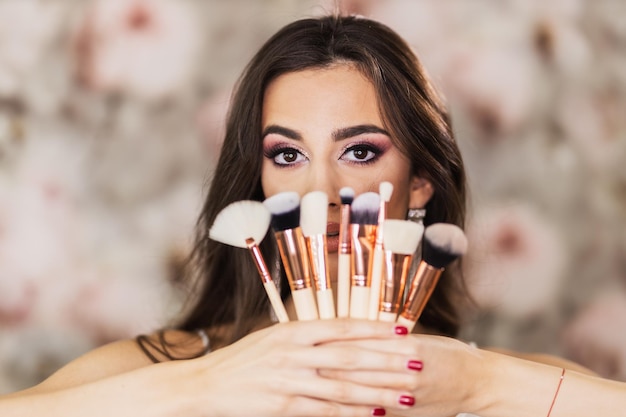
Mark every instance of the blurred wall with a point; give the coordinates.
(110, 119)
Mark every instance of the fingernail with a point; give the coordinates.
(401, 330)
(415, 365)
(407, 400)
(378, 411)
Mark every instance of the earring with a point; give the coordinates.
(416, 215)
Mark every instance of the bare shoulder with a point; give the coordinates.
(117, 358)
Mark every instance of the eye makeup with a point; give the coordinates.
(361, 145)
(283, 154)
(361, 153)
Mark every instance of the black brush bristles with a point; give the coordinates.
(285, 209)
(443, 244)
(346, 194)
(364, 209)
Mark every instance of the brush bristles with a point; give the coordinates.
(443, 243)
(402, 236)
(385, 189)
(364, 209)
(314, 213)
(239, 221)
(347, 195)
(285, 210)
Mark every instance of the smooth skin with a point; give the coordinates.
(322, 131)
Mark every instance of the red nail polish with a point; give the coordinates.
(415, 365)
(379, 411)
(407, 400)
(401, 330)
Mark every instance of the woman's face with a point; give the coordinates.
(322, 131)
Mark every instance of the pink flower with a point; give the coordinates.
(38, 230)
(211, 119)
(595, 338)
(516, 261)
(26, 29)
(594, 122)
(146, 49)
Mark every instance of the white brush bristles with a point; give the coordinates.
(282, 202)
(385, 189)
(314, 213)
(447, 237)
(402, 236)
(241, 220)
(347, 195)
(364, 208)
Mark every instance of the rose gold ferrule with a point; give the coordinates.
(392, 290)
(317, 252)
(344, 230)
(259, 261)
(422, 287)
(292, 250)
(363, 238)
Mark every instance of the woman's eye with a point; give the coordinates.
(287, 157)
(361, 153)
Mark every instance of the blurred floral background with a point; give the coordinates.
(110, 119)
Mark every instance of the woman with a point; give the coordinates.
(326, 103)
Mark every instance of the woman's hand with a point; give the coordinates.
(449, 376)
(275, 371)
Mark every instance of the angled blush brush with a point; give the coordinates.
(313, 221)
(346, 194)
(363, 223)
(401, 238)
(385, 190)
(443, 243)
(285, 221)
(244, 224)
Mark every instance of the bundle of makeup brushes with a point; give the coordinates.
(374, 254)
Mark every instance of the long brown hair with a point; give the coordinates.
(229, 290)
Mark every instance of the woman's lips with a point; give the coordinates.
(332, 236)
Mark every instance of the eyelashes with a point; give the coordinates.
(284, 155)
(362, 153)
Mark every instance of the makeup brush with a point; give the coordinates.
(443, 243)
(363, 223)
(285, 221)
(385, 189)
(401, 238)
(346, 194)
(244, 224)
(313, 221)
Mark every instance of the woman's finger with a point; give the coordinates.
(323, 331)
(350, 357)
(346, 392)
(308, 407)
(395, 380)
(409, 346)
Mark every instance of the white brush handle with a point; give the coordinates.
(409, 324)
(376, 282)
(387, 316)
(304, 300)
(326, 304)
(277, 303)
(359, 302)
(343, 286)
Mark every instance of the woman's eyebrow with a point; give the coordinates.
(281, 130)
(339, 134)
(349, 132)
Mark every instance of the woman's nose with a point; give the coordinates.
(327, 181)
